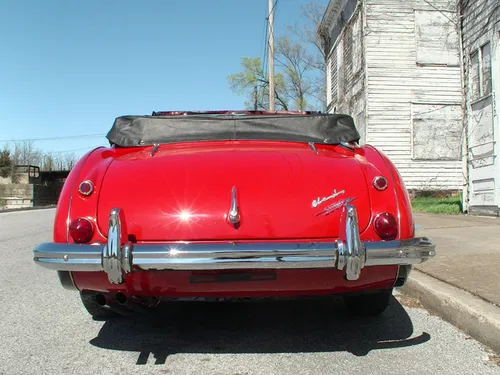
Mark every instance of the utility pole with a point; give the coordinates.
(255, 97)
(271, 55)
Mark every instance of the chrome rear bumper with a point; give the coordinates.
(347, 252)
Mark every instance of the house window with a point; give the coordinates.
(475, 88)
(486, 69)
(348, 11)
(335, 32)
(437, 38)
(348, 41)
(356, 41)
(342, 18)
(480, 72)
(334, 76)
(436, 131)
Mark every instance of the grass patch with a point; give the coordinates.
(431, 205)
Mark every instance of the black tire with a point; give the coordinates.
(369, 304)
(97, 311)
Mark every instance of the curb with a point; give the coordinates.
(26, 209)
(474, 316)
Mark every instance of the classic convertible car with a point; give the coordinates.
(233, 204)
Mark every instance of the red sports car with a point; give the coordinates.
(233, 204)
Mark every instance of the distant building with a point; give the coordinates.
(394, 66)
(481, 59)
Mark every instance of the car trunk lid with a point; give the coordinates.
(184, 191)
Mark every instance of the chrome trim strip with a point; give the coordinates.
(189, 256)
(156, 146)
(235, 255)
(347, 252)
(349, 145)
(69, 257)
(312, 146)
(354, 252)
(127, 258)
(110, 253)
(73, 257)
(116, 260)
(399, 252)
(233, 215)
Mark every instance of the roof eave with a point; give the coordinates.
(331, 13)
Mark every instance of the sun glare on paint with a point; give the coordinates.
(185, 215)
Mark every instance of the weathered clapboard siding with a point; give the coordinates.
(399, 95)
(480, 17)
(346, 68)
(481, 36)
(395, 81)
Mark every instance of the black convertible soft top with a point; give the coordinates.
(129, 131)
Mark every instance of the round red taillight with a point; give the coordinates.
(81, 230)
(386, 226)
(86, 188)
(380, 183)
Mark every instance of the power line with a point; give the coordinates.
(265, 44)
(54, 138)
(266, 39)
(270, 57)
(68, 151)
(272, 9)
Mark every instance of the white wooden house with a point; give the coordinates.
(394, 65)
(480, 28)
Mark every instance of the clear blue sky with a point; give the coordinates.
(69, 68)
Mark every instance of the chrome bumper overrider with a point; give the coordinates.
(119, 257)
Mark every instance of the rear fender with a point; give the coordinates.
(72, 205)
(393, 200)
(60, 232)
(406, 221)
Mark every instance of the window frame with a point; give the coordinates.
(480, 73)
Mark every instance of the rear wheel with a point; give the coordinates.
(370, 304)
(97, 310)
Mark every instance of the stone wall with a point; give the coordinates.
(5, 180)
(45, 195)
(16, 196)
(28, 195)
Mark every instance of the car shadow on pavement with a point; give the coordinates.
(319, 324)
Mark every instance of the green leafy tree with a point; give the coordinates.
(300, 69)
(254, 83)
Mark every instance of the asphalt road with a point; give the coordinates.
(45, 330)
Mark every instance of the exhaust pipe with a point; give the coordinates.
(130, 303)
(112, 305)
(121, 298)
(100, 299)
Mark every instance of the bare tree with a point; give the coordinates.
(70, 160)
(48, 163)
(301, 69)
(59, 162)
(25, 153)
(296, 64)
(307, 32)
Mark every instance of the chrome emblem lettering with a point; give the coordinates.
(318, 201)
(335, 206)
